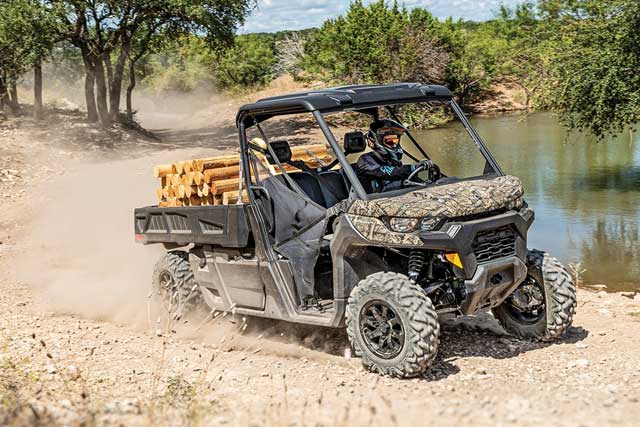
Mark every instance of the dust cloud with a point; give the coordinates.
(82, 258)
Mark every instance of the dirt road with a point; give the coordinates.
(80, 343)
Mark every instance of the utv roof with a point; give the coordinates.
(355, 97)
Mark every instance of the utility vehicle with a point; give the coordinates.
(385, 265)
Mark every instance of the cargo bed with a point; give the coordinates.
(223, 225)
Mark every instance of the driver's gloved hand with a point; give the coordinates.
(426, 164)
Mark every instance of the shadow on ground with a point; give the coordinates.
(478, 336)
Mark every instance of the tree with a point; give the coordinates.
(289, 54)
(106, 31)
(474, 57)
(524, 61)
(595, 62)
(249, 62)
(377, 43)
(27, 35)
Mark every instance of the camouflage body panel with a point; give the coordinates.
(374, 230)
(446, 201)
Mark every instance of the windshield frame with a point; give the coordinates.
(374, 112)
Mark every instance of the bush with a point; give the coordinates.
(249, 62)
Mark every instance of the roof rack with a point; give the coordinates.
(354, 97)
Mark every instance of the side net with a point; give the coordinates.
(298, 224)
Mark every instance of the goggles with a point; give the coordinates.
(390, 137)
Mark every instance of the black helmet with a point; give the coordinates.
(384, 138)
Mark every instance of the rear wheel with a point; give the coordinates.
(392, 325)
(174, 283)
(542, 307)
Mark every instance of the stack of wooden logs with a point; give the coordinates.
(214, 180)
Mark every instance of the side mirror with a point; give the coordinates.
(281, 149)
(354, 142)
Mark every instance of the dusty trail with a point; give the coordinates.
(73, 277)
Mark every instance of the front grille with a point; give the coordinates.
(494, 244)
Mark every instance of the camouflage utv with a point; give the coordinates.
(452, 240)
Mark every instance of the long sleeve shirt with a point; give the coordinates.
(377, 176)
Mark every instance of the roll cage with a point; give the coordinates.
(365, 99)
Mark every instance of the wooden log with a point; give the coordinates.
(179, 191)
(220, 162)
(195, 200)
(210, 175)
(231, 197)
(169, 203)
(186, 166)
(176, 180)
(159, 194)
(198, 177)
(219, 187)
(167, 192)
(160, 171)
(176, 168)
(190, 190)
(317, 149)
(187, 178)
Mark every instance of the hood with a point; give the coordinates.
(448, 200)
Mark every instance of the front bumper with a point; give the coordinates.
(492, 283)
(490, 274)
(460, 236)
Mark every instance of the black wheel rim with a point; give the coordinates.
(381, 329)
(527, 303)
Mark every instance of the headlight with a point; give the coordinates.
(515, 204)
(403, 225)
(429, 223)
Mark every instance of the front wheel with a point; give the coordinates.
(542, 307)
(392, 325)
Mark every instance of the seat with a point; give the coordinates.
(309, 184)
(333, 187)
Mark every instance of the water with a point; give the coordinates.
(586, 194)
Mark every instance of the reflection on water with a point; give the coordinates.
(586, 194)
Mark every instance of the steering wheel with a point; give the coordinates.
(433, 173)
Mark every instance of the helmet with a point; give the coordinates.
(384, 138)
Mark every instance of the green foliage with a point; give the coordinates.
(474, 57)
(525, 58)
(181, 65)
(376, 43)
(249, 62)
(595, 62)
(27, 35)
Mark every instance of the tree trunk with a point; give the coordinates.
(89, 95)
(130, 87)
(3, 92)
(13, 92)
(101, 93)
(462, 95)
(9, 94)
(118, 77)
(37, 92)
(106, 57)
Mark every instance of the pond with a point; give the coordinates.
(586, 194)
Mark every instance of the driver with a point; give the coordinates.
(381, 169)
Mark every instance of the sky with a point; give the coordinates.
(276, 15)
